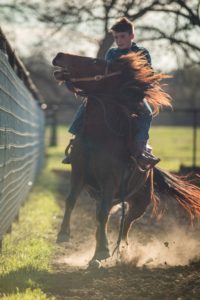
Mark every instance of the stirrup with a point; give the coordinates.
(149, 164)
(145, 168)
(68, 147)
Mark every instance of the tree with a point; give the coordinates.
(181, 18)
(176, 22)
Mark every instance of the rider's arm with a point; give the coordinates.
(110, 55)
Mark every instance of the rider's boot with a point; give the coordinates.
(67, 158)
(145, 159)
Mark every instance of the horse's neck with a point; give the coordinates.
(101, 119)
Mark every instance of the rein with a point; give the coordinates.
(81, 93)
(122, 198)
(116, 132)
(123, 108)
(95, 78)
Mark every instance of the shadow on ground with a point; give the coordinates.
(119, 282)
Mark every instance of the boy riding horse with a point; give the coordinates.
(123, 35)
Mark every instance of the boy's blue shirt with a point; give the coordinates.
(114, 53)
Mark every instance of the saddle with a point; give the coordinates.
(144, 161)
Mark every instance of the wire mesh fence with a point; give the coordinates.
(21, 142)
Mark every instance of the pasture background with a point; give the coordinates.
(172, 144)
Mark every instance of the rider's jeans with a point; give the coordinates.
(143, 123)
(77, 122)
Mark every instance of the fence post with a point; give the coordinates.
(1, 245)
(194, 159)
(53, 137)
(3, 44)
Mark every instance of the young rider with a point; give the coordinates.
(123, 34)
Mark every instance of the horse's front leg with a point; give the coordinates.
(64, 233)
(77, 183)
(102, 216)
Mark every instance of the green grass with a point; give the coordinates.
(56, 154)
(27, 252)
(29, 294)
(174, 146)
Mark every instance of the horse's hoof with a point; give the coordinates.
(94, 264)
(62, 238)
(101, 255)
(123, 248)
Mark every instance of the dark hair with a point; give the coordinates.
(123, 25)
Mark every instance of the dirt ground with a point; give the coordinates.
(162, 262)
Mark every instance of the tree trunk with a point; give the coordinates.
(106, 43)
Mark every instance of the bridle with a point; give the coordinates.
(96, 77)
(69, 83)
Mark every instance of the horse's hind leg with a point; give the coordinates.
(137, 206)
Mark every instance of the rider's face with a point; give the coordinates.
(123, 39)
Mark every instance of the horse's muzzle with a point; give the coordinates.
(56, 60)
(61, 75)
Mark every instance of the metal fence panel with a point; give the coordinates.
(21, 143)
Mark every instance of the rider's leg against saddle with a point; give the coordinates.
(74, 129)
(139, 144)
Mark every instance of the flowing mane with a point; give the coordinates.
(142, 77)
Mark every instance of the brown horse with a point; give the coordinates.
(100, 155)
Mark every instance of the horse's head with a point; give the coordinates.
(85, 73)
(129, 76)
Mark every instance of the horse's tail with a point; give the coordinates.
(179, 187)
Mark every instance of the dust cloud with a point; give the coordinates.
(177, 247)
(78, 259)
(151, 244)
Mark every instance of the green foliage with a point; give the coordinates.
(29, 294)
(174, 146)
(184, 88)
